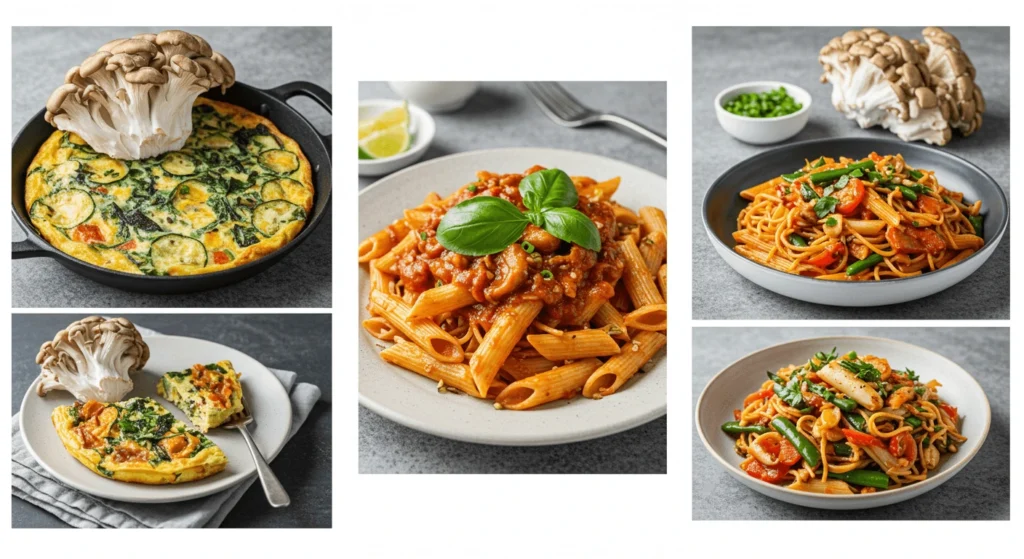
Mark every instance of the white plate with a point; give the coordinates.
(725, 392)
(413, 401)
(265, 395)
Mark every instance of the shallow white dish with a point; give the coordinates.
(728, 388)
(436, 97)
(413, 400)
(763, 130)
(421, 127)
(269, 403)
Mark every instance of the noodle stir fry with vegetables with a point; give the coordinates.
(845, 219)
(842, 425)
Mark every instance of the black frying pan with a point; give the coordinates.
(270, 103)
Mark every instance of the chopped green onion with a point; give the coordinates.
(546, 274)
(913, 421)
(915, 174)
(471, 188)
(439, 283)
(423, 235)
(527, 247)
(831, 222)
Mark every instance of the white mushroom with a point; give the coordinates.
(93, 359)
(132, 98)
(918, 91)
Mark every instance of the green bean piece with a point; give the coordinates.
(818, 163)
(912, 421)
(842, 449)
(876, 177)
(866, 478)
(734, 428)
(908, 193)
(793, 176)
(861, 265)
(805, 447)
(833, 174)
(915, 174)
(856, 420)
(977, 222)
(845, 404)
(797, 240)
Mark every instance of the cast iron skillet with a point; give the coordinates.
(722, 205)
(270, 103)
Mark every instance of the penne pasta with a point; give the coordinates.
(508, 328)
(440, 300)
(652, 219)
(610, 376)
(520, 368)
(610, 319)
(412, 357)
(387, 262)
(574, 345)
(556, 384)
(648, 317)
(663, 281)
(652, 249)
(424, 332)
(380, 328)
(637, 276)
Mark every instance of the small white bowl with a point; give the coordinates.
(421, 127)
(436, 97)
(763, 130)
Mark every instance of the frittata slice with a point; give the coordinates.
(136, 441)
(208, 394)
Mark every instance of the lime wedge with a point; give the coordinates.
(398, 116)
(386, 143)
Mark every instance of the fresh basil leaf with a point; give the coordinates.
(842, 182)
(480, 226)
(808, 193)
(572, 226)
(550, 188)
(825, 206)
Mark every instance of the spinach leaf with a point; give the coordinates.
(481, 225)
(244, 235)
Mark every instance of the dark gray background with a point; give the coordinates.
(276, 341)
(502, 114)
(726, 56)
(263, 57)
(980, 491)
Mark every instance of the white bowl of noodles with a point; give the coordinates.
(727, 389)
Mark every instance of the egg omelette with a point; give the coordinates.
(208, 394)
(136, 441)
(238, 190)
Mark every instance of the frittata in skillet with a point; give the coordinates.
(208, 394)
(137, 441)
(237, 191)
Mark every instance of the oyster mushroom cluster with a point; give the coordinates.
(918, 90)
(93, 359)
(132, 98)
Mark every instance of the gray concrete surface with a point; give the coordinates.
(980, 491)
(277, 341)
(262, 57)
(503, 115)
(726, 56)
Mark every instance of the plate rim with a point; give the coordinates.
(984, 254)
(498, 438)
(869, 499)
(213, 488)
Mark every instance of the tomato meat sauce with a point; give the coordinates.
(560, 274)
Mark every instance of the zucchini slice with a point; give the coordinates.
(279, 161)
(177, 250)
(268, 217)
(282, 189)
(217, 141)
(263, 142)
(178, 164)
(189, 198)
(105, 170)
(65, 208)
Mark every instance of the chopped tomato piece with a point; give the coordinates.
(101, 189)
(929, 205)
(736, 414)
(788, 454)
(861, 439)
(850, 196)
(766, 393)
(950, 410)
(130, 245)
(875, 157)
(87, 233)
(766, 473)
(221, 257)
(828, 256)
(91, 409)
(903, 446)
(911, 240)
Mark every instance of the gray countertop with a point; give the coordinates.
(726, 56)
(503, 115)
(980, 491)
(263, 57)
(277, 341)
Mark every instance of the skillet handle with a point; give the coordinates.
(26, 249)
(313, 91)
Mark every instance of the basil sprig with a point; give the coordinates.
(487, 224)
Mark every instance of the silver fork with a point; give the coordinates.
(565, 110)
(276, 495)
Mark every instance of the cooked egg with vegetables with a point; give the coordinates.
(208, 394)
